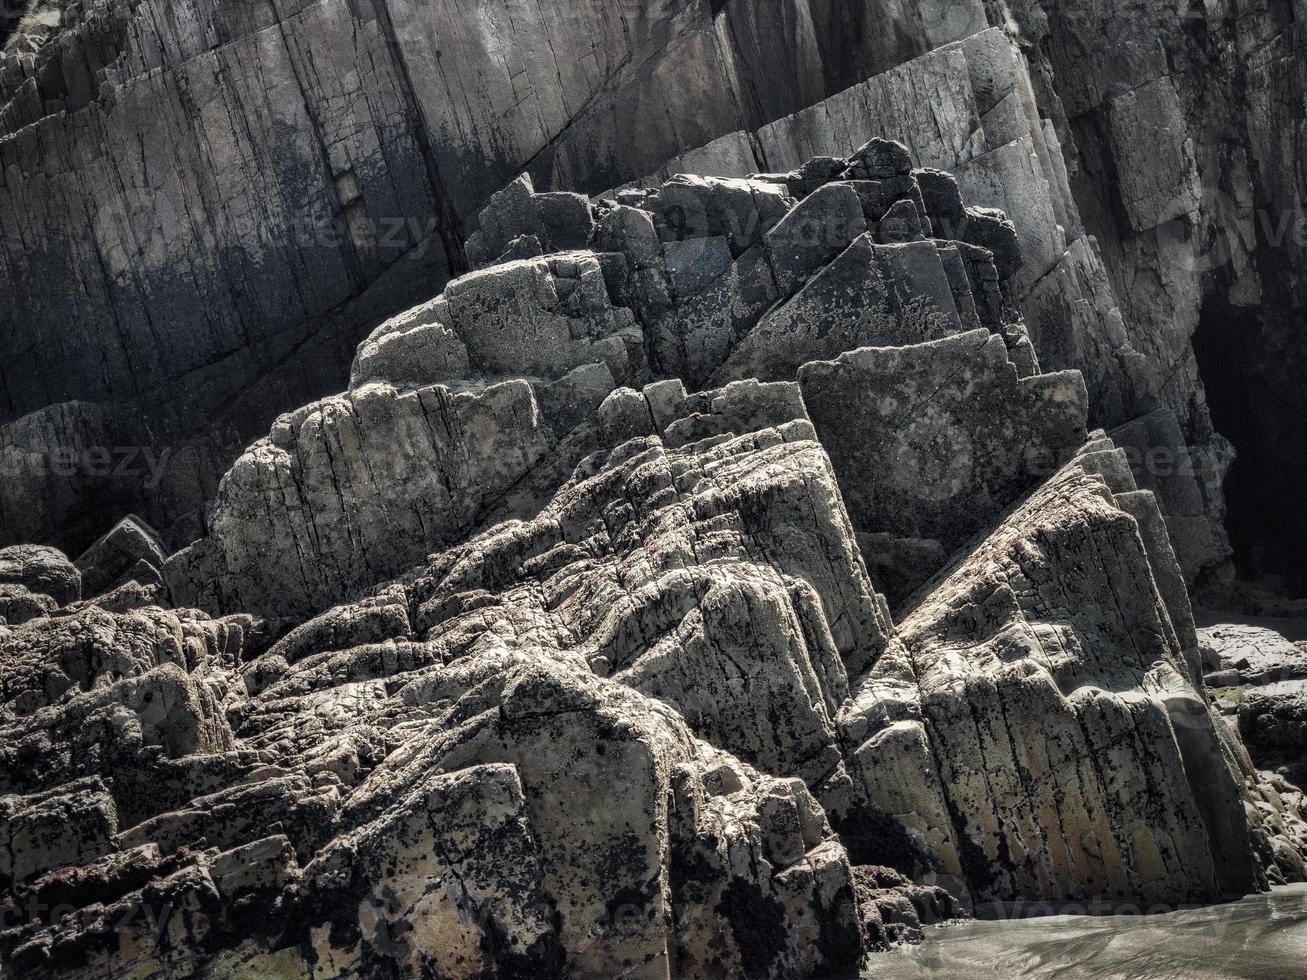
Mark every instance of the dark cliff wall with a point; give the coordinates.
(1187, 118)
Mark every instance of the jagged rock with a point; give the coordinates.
(932, 442)
(997, 126)
(1273, 721)
(1020, 630)
(1256, 654)
(18, 604)
(740, 211)
(555, 222)
(418, 346)
(418, 468)
(879, 158)
(894, 909)
(1012, 110)
(609, 736)
(72, 825)
(236, 270)
(557, 643)
(424, 449)
(1199, 139)
(821, 226)
(113, 559)
(872, 295)
(606, 581)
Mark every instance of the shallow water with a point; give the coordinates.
(1262, 937)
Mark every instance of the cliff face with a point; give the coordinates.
(223, 269)
(646, 489)
(206, 204)
(234, 210)
(1188, 130)
(578, 678)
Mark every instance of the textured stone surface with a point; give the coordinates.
(205, 205)
(622, 733)
(720, 579)
(1185, 128)
(42, 570)
(130, 548)
(432, 441)
(608, 593)
(992, 119)
(1019, 631)
(1259, 678)
(933, 442)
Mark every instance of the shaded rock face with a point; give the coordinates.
(178, 365)
(935, 441)
(205, 204)
(1257, 676)
(1186, 128)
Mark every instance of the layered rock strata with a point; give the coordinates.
(204, 204)
(987, 122)
(1181, 125)
(557, 644)
(474, 406)
(1145, 156)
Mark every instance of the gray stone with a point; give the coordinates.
(113, 558)
(935, 441)
(42, 570)
(871, 294)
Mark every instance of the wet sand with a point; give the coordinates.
(1261, 937)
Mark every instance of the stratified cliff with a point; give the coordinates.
(645, 489)
(206, 204)
(497, 664)
(1187, 121)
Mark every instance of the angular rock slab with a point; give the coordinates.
(1054, 741)
(932, 442)
(352, 490)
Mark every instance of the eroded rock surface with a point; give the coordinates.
(620, 735)
(720, 579)
(474, 406)
(205, 205)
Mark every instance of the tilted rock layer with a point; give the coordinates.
(556, 645)
(720, 576)
(1151, 181)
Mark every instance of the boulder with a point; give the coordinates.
(41, 570)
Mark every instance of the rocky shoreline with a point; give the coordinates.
(727, 574)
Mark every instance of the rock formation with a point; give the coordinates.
(206, 204)
(724, 574)
(509, 660)
(291, 257)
